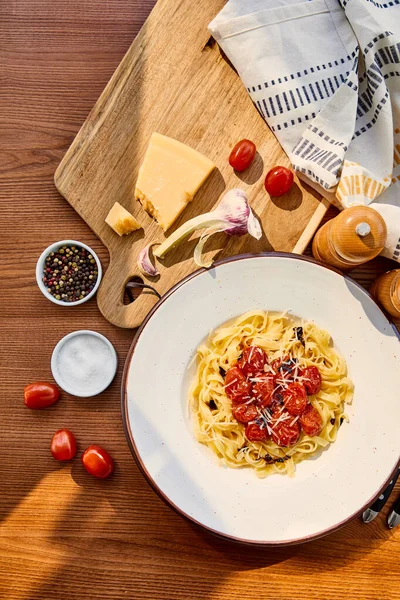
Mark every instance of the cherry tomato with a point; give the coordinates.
(40, 394)
(283, 365)
(63, 445)
(255, 433)
(276, 363)
(98, 462)
(285, 434)
(311, 421)
(295, 398)
(236, 384)
(252, 361)
(276, 406)
(278, 181)
(312, 380)
(263, 389)
(244, 413)
(242, 155)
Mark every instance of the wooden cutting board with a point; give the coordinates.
(174, 80)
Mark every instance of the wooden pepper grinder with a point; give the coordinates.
(386, 291)
(354, 237)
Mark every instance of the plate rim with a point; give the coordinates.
(130, 439)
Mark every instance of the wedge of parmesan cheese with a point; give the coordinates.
(121, 220)
(169, 177)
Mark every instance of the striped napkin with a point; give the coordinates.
(326, 77)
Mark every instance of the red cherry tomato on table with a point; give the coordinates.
(252, 361)
(40, 394)
(244, 413)
(255, 433)
(98, 462)
(311, 421)
(312, 380)
(285, 434)
(295, 398)
(278, 181)
(263, 389)
(242, 155)
(236, 385)
(63, 445)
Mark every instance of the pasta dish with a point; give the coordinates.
(270, 391)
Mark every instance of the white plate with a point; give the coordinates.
(327, 491)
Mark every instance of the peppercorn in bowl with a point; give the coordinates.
(68, 273)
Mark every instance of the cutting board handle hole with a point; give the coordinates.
(134, 287)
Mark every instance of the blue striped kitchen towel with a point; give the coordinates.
(325, 75)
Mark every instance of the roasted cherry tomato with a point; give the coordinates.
(98, 462)
(255, 433)
(276, 406)
(244, 413)
(252, 361)
(276, 363)
(284, 365)
(295, 398)
(242, 155)
(236, 385)
(285, 434)
(40, 394)
(263, 389)
(312, 380)
(311, 421)
(63, 445)
(278, 181)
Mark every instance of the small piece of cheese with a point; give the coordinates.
(169, 177)
(121, 220)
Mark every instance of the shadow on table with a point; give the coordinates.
(125, 543)
(115, 538)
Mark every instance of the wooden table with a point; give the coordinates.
(64, 534)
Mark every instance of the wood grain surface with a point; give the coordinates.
(188, 91)
(62, 533)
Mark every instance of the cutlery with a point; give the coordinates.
(370, 513)
(394, 518)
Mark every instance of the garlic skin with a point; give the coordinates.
(198, 251)
(144, 262)
(253, 226)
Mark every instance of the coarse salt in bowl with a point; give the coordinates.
(84, 363)
(40, 271)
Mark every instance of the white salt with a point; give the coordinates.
(85, 364)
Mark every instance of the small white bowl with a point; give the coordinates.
(40, 271)
(58, 372)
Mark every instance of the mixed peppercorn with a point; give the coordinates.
(70, 273)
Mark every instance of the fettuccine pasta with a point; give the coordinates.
(291, 348)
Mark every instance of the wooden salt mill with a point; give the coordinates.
(354, 237)
(386, 291)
